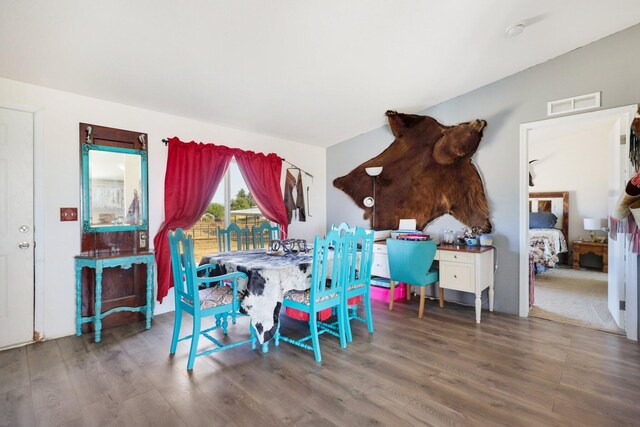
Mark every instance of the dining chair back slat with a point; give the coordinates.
(272, 232)
(342, 228)
(182, 265)
(226, 236)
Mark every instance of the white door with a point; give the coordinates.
(16, 227)
(618, 176)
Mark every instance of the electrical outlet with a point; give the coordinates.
(68, 214)
(143, 240)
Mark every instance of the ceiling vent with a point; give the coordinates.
(572, 105)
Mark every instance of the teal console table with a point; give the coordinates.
(99, 263)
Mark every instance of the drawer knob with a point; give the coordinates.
(455, 276)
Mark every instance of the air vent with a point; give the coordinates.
(571, 105)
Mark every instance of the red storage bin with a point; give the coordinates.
(322, 316)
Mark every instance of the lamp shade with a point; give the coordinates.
(374, 171)
(594, 224)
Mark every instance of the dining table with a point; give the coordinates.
(269, 277)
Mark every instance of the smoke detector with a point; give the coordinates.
(514, 30)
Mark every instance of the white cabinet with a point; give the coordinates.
(462, 268)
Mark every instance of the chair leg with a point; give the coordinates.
(441, 302)
(407, 288)
(367, 307)
(345, 320)
(254, 338)
(225, 324)
(194, 343)
(421, 310)
(343, 325)
(313, 327)
(177, 322)
(392, 293)
(276, 338)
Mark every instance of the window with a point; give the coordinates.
(231, 204)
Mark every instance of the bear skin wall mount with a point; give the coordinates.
(427, 173)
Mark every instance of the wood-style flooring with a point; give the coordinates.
(441, 370)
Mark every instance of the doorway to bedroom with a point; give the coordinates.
(576, 168)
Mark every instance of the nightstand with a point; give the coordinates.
(581, 247)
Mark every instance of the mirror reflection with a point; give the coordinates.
(115, 182)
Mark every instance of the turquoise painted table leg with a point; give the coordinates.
(78, 300)
(149, 313)
(98, 308)
(265, 347)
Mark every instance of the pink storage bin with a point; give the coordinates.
(382, 294)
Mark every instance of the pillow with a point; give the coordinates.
(542, 220)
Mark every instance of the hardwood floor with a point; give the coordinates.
(441, 370)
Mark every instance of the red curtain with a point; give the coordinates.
(262, 174)
(194, 171)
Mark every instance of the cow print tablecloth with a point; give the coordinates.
(269, 278)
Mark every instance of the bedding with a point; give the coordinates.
(542, 220)
(544, 245)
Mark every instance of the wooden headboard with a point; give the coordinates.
(556, 202)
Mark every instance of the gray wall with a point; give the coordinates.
(608, 65)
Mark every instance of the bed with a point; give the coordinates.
(548, 244)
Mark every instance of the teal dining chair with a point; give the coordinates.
(327, 287)
(225, 236)
(357, 276)
(220, 300)
(342, 228)
(410, 262)
(258, 234)
(359, 257)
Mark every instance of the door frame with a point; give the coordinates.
(625, 114)
(38, 213)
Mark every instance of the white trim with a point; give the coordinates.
(624, 113)
(38, 220)
(38, 210)
(596, 104)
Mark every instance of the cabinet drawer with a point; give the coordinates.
(457, 276)
(380, 265)
(457, 256)
(379, 248)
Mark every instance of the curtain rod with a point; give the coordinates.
(166, 142)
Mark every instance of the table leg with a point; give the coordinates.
(78, 300)
(491, 295)
(97, 318)
(265, 347)
(478, 307)
(149, 313)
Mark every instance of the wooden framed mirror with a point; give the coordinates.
(114, 189)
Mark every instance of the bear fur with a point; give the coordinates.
(427, 173)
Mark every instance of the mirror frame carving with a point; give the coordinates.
(86, 193)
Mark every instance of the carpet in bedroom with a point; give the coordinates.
(577, 297)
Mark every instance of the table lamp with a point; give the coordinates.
(593, 225)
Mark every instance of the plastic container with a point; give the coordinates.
(382, 294)
(486, 239)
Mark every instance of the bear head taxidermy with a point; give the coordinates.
(427, 173)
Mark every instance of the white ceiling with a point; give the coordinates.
(313, 72)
